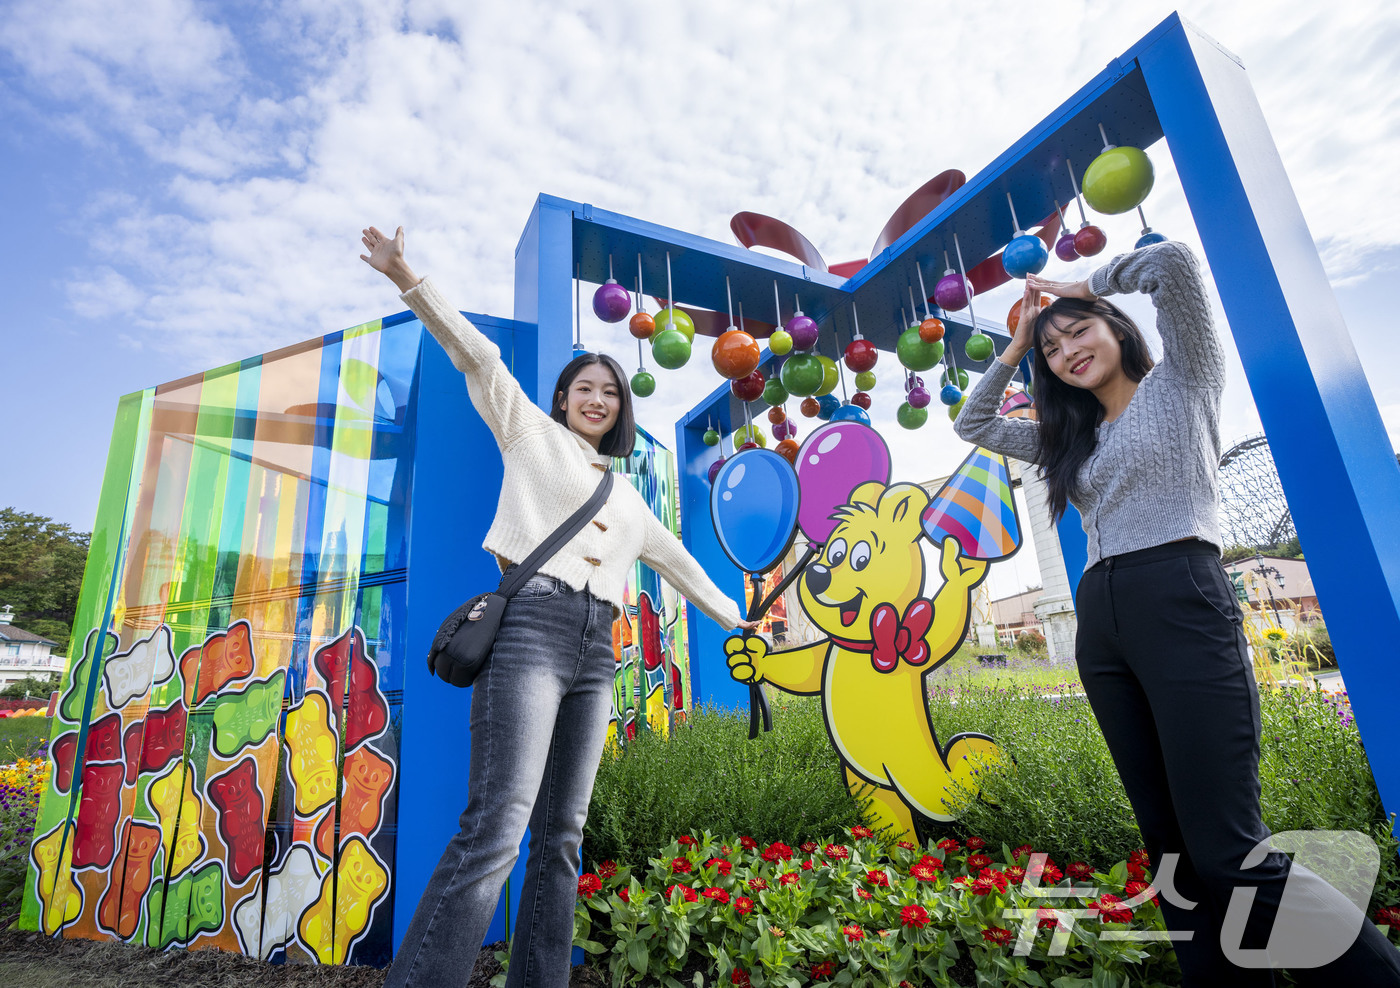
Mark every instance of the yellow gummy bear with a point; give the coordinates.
(56, 881)
(311, 753)
(360, 882)
(164, 797)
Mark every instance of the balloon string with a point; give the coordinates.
(922, 290)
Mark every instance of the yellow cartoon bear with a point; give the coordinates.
(883, 638)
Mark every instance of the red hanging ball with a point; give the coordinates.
(861, 355)
(862, 399)
(776, 415)
(748, 388)
(810, 407)
(641, 326)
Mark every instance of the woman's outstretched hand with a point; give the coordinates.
(386, 256)
(1064, 289)
(749, 625)
(1024, 338)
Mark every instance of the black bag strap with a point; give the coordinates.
(546, 549)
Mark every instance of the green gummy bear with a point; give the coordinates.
(74, 700)
(206, 901)
(247, 717)
(196, 906)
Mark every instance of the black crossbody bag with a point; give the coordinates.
(462, 645)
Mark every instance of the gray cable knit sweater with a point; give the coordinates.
(1151, 478)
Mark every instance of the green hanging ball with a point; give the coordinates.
(979, 347)
(643, 384)
(915, 354)
(962, 379)
(670, 348)
(749, 433)
(710, 438)
(671, 317)
(780, 342)
(910, 417)
(865, 380)
(802, 374)
(830, 376)
(953, 410)
(774, 393)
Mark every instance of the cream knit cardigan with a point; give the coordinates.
(550, 472)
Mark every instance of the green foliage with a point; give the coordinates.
(708, 775)
(41, 572)
(1314, 644)
(1288, 549)
(31, 688)
(1031, 643)
(22, 737)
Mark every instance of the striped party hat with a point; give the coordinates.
(976, 508)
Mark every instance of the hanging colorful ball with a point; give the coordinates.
(918, 396)
(931, 330)
(679, 319)
(714, 469)
(862, 399)
(952, 291)
(786, 429)
(612, 302)
(780, 342)
(775, 414)
(1013, 315)
(748, 388)
(1118, 180)
(803, 330)
(641, 326)
(960, 380)
(735, 354)
(831, 376)
(954, 409)
(829, 404)
(1025, 255)
(710, 438)
(915, 381)
(643, 384)
(851, 413)
(865, 380)
(861, 355)
(802, 374)
(774, 394)
(950, 395)
(810, 407)
(1090, 240)
(1148, 238)
(914, 353)
(788, 450)
(750, 445)
(749, 434)
(979, 347)
(670, 348)
(908, 416)
(1065, 249)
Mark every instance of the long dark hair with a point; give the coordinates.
(1068, 415)
(619, 440)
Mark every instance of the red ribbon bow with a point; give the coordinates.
(894, 639)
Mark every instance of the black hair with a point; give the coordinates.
(1068, 416)
(622, 437)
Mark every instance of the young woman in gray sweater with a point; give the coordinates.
(1134, 444)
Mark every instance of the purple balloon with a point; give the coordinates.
(919, 397)
(835, 460)
(952, 292)
(803, 330)
(714, 468)
(612, 302)
(1064, 248)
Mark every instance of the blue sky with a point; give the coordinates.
(185, 181)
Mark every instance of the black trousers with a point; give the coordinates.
(1162, 655)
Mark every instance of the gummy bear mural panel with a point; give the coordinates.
(247, 573)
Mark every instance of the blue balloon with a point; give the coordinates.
(1149, 238)
(1025, 255)
(829, 404)
(950, 395)
(753, 505)
(851, 413)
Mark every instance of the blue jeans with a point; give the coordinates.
(539, 717)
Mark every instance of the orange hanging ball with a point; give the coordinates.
(1013, 318)
(810, 407)
(735, 354)
(931, 330)
(642, 326)
(787, 449)
(776, 415)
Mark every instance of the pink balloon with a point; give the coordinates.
(835, 460)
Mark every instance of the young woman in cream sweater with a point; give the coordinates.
(540, 709)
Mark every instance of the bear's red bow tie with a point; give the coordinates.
(892, 639)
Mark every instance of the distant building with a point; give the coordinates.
(1276, 583)
(23, 653)
(1016, 614)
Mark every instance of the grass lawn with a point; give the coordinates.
(20, 736)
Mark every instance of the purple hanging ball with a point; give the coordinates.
(786, 429)
(952, 292)
(714, 468)
(612, 302)
(1064, 248)
(919, 397)
(803, 330)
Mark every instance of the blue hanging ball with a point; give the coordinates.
(827, 406)
(851, 413)
(950, 395)
(1150, 237)
(1025, 255)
